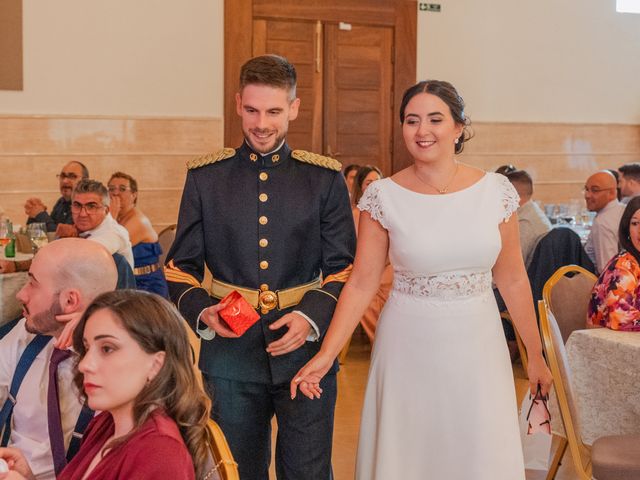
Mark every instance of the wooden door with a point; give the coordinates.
(344, 86)
(358, 99)
(300, 42)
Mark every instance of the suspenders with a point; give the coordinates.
(26, 359)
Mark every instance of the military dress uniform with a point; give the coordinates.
(277, 228)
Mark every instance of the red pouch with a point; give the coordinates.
(238, 313)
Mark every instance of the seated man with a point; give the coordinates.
(629, 181)
(601, 197)
(69, 177)
(64, 278)
(92, 220)
(532, 221)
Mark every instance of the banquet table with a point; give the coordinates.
(10, 284)
(605, 377)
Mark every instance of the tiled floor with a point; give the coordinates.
(351, 383)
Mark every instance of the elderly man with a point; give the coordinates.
(600, 195)
(532, 221)
(69, 177)
(629, 181)
(64, 278)
(92, 220)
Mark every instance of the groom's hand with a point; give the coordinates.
(299, 330)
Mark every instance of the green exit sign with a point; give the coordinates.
(429, 7)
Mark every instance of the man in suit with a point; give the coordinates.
(276, 226)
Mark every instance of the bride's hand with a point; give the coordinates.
(539, 374)
(308, 377)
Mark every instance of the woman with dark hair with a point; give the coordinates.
(615, 299)
(364, 176)
(123, 191)
(440, 400)
(135, 368)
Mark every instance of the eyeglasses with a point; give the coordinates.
(91, 207)
(70, 176)
(121, 188)
(596, 190)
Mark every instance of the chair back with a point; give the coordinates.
(165, 239)
(567, 294)
(222, 462)
(559, 366)
(221, 466)
(560, 247)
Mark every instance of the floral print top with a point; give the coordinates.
(615, 298)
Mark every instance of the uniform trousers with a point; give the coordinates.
(305, 427)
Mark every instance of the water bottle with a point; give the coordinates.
(10, 248)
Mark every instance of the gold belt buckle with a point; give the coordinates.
(267, 300)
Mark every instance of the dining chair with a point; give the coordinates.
(611, 457)
(165, 239)
(221, 462)
(567, 294)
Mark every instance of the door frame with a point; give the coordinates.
(238, 47)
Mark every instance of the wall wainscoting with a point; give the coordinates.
(153, 150)
(559, 157)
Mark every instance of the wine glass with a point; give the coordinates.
(37, 233)
(4, 234)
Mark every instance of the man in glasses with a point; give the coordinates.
(36, 210)
(601, 197)
(92, 220)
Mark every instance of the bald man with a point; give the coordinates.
(64, 278)
(600, 195)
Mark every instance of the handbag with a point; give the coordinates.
(535, 431)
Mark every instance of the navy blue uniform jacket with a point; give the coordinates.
(308, 233)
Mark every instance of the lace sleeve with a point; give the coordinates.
(371, 203)
(508, 197)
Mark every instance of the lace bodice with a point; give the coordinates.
(442, 246)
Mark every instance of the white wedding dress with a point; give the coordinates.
(440, 400)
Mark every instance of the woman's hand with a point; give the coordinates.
(308, 377)
(115, 205)
(540, 374)
(18, 465)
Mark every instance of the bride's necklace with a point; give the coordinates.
(442, 190)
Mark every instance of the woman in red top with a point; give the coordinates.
(135, 368)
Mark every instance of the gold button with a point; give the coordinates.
(264, 265)
(275, 158)
(263, 220)
(263, 176)
(264, 287)
(264, 242)
(263, 197)
(253, 157)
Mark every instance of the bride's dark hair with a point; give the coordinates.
(156, 326)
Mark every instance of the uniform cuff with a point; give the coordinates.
(315, 335)
(204, 333)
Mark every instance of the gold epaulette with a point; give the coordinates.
(210, 158)
(318, 160)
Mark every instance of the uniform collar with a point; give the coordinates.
(272, 159)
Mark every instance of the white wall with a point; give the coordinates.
(543, 61)
(121, 57)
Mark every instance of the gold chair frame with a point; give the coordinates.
(580, 453)
(223, 461)
(559, 275)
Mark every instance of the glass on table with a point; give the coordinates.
(4, 234)
(37, 233)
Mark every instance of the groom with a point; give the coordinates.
(276, 226)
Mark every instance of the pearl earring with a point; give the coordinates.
(456, 142)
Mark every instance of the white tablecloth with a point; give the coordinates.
(10, 284)
(605, 368)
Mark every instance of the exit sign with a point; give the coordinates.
(429, 7)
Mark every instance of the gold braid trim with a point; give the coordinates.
(174, 274)
(317, 160)
(341, 276)
(210, 158)
(326, 293)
